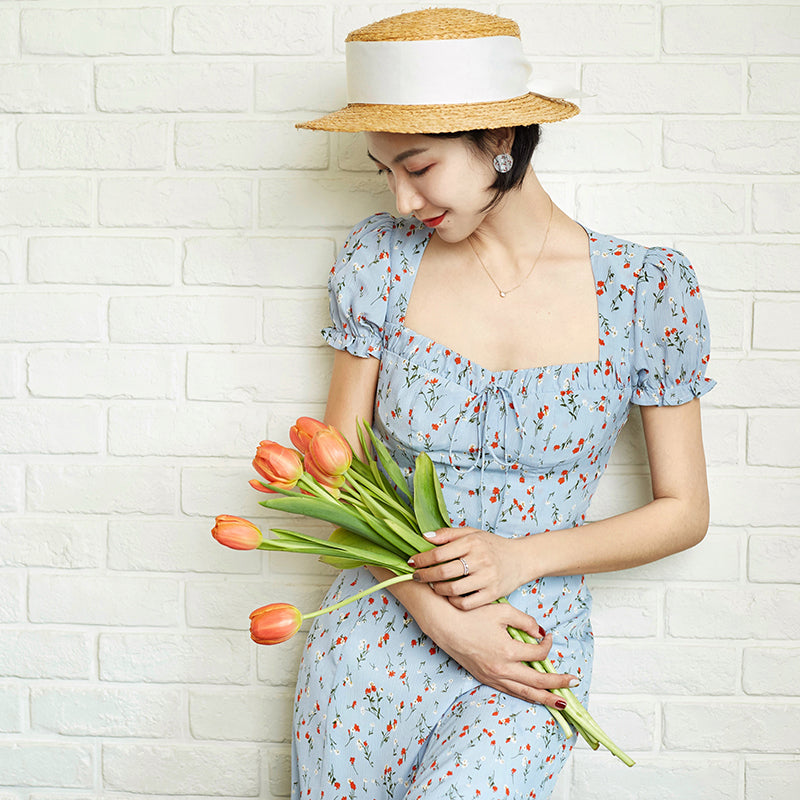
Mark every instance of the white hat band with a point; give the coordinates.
(436, 71)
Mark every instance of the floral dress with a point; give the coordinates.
(381, 711)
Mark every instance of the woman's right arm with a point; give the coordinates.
(476, 639)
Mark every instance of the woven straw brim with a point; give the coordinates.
(528, 109)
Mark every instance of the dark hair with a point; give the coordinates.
(526, 138)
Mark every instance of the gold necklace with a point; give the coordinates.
(504, 292)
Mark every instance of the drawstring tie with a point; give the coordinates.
(479, 404)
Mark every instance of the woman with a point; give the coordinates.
(486, 327)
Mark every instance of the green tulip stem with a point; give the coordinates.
(359, 595)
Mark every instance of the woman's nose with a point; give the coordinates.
(406, 197)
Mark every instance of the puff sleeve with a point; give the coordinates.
(671, 340)
(358, 288)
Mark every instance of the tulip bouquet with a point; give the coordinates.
(379, 523)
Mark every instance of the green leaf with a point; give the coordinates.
(391, 467)
(442, 506)
(426, 507)
(328, 510)
(342, 562)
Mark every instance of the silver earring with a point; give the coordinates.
(503, 162)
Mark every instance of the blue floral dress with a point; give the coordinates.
(380, 711)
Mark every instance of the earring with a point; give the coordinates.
(503, 162)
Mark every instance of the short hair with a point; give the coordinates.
(526, 138)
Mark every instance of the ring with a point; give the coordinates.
(466, 568)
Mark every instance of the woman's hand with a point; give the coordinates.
(479, 641)
(494, 566)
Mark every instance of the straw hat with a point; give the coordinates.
(439, 70)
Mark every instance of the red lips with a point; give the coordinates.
(433, 221)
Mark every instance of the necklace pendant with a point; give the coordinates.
(502, 294)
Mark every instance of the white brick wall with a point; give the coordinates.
(165, 237)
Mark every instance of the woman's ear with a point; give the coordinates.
(502, 139)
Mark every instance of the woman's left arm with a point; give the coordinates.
(676, 519)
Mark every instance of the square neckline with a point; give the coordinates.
(591, 237)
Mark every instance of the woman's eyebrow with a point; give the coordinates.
(414, 151)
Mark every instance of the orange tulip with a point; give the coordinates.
(302, 432)
(329, 452)
(274, 623)
(278, 465)
(236, 533)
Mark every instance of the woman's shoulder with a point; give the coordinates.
(382, 231)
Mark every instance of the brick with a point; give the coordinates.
(172, 318)
(191, 430)
(758, 613)
(149, 712)
(11, 709)
(168, 546)
(662, 777)
(248, 145)
(212, 604)
(631, 29)
(755, 501)
(596, 147)
(771, 671)
(53, 543)
(260, 715)
(62, 765)
(631, 723)
(6, 146)
(279, 769)
(49, 317)
(754, 382)
(202, 488)
(617, 493)
(759, 147)
(12, 594)
(277, 377)
(12, 479)
(9, 33)
(111, 260)
(161, 658)
(773, 208)
(776, 325)
(727, 320)
(93, 32)
(624, 611)
(277, 666)
(268, 30)
(296, 321)
(9, 374)
(101, 373)
(181, 769)
(773, 438)
(666, 88)
(723, 431)
(771, 780)
(726, 727)
(770, 87)
(303, 202)
(47, 428)
(173, 87)
(102, 600)
(774, 556)
(666, 208)
(716, 558)
(665, 669)
(175, 202)
(737, 30)
(102, 489)
(285, 85)
(10, 259)
(79, 144)
(45, 88)
(45, 654)
(258, 261)
(745, 266)
(46, 202)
